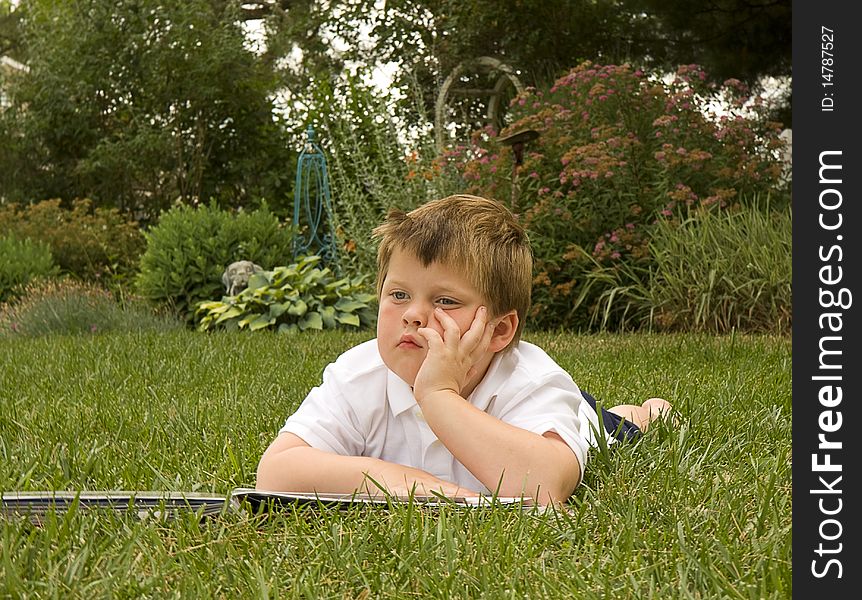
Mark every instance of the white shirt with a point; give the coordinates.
(364, 409)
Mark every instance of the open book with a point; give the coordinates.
(141, 503)
(150, 503)
(259, 498)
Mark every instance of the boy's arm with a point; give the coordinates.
(520, 462)
(290, 464)
(505, 458)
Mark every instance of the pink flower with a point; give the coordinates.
(615, 255)
(93, 328)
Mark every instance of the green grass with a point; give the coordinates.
(701, 510)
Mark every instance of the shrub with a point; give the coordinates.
(721, 270)
(290, 299)
(68, 306)
(189, 249)
(711, 271)
(373, 168)
(617, 151)
(20, 262)
(94, 244)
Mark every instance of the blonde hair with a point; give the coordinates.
(477, 236)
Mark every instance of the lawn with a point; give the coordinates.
(700, 510)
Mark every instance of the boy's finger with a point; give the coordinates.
(451, 331)
(478, 328)
(431, 336)
(483, 343)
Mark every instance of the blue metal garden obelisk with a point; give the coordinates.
(312, 206)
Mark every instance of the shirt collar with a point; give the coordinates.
(494, 378)
(401, 398)
(399, 393)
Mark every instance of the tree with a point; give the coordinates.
(9, 29)
(746, 40)
(741, 39)
(137, 103)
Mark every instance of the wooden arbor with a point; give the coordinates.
(484, 64)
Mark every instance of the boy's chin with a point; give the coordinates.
(409, 377)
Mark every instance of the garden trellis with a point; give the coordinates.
(312, 204)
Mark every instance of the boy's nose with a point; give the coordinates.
(414, 316)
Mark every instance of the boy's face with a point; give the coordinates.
(411, 292)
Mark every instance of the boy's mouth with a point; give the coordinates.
(408, 342)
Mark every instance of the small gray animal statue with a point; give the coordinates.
(235, 277)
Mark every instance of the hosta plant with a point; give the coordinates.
(290, 299)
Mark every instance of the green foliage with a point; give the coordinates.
(372, 167)
(540, 38)
(190, 248)
(290, 299)
(136, 103)
(67, 306)
(709, 516)
(717, 271)
(20, 262)
(94, 244)
(617, 151)
(711, 271)
(733, 38)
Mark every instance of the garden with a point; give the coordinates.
(142, 157)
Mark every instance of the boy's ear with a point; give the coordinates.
(504, 331)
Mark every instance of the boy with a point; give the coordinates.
(447, 398)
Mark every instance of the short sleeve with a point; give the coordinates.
(326, 420)
(549, 405)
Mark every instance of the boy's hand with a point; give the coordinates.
(451, 358)
(401, 480)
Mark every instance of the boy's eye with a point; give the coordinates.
(399, 295)
(447, 302)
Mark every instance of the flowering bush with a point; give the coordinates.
(617, 151)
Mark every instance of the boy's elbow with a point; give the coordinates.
(277, 463)
(562, 489)
(564, 472)
(547, 487)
